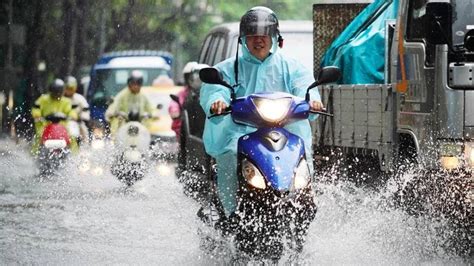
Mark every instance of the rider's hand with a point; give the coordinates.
(316, 106)
(218, 107)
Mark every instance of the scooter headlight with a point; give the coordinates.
(449, 155)
(272, 110)
(252, 175)
(85, 166)
(98, 133)
(97, 171)
(97, 144)
(132, 155)
(302, 175)
(469, 154)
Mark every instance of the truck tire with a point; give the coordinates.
(363, 170)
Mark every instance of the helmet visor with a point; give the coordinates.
(56, 94)
(259, 28)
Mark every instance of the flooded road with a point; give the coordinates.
(77, 218)
(82, 218)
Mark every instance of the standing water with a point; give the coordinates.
(87, 217)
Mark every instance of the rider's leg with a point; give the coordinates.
(39, 127)
(309, 160)
(227, 183)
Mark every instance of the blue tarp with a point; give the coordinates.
(359, 51)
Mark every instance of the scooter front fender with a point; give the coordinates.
(275, 152)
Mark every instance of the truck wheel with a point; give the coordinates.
(363, 170)
(406, 157)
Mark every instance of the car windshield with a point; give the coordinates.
(111, 81)
(463, 11)
(300, 47)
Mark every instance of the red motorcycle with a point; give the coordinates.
(54, 145)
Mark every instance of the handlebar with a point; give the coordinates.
(227, 111)
(54, 118)
(321, 113)
(125, 116)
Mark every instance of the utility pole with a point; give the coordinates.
(102, 37)
(8, 73)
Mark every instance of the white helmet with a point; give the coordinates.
(71, 82)
(188, 68)
(194, 81)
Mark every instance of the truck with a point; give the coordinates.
(418, 115)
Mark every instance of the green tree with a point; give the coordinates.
(69, 34)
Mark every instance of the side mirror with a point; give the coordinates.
(176, 99)
(326, 75)
(469, 40)
(438, 22)
(213, 76)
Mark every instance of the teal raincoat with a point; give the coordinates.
(275, 73)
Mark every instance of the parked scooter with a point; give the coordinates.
(132, 143)
(54, 145)
(275, 195)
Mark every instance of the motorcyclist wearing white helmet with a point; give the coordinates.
(79, 105)
(192, 82)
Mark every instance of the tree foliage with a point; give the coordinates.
(70, 34)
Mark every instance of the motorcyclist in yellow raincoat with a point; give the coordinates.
(49, 103)
(127, 100)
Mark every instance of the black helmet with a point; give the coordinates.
(259, 20)
(136, 77)
(56, 88)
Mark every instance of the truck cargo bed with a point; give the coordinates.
(362, 120)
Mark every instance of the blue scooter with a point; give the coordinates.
(275, 197)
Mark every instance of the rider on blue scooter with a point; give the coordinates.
(260, 68)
